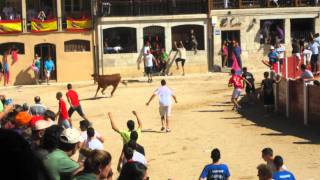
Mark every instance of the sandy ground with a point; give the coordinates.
(202, 120)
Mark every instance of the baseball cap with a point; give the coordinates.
(70, 136)
(23, 118)
(271, 47)
(42, 124)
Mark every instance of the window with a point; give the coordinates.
(76, 46)
(155, 36)
(120, 40)
(272, 31)
(302, 28)
(75, 5)
(191, 36)
(11, 45)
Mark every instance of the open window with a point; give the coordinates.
(272, 31)
(11, 45)
(190, 35)
(76, 46)
(302, 28)
(120, 40)
(155, 36)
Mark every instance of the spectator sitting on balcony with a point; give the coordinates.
(226, 4)
(105, 7)
(31, 14)
(42, 16)
(7, 11)
(306, 75)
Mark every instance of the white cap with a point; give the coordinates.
(42, 124)
(272, 47)
(70, 136)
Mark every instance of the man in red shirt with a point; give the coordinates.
(74, 102)
(64, 119)
(236, 81)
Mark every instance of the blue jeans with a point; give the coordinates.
(65, 123)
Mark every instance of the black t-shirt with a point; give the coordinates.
(139, 148)
(295, 48)
(268, 85)
(249, 77)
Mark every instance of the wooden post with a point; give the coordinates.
(305, 103)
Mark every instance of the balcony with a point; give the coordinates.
(151, 7)
(245, 4)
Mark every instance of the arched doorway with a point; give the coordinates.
(44, 51)
(155, 35)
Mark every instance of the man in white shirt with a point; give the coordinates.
(281, 50)
(165, 94)
(149, 65)
(314, 47)
(92, 142)
(182, 56)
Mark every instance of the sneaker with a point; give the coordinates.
(168, 130)
(162, 129)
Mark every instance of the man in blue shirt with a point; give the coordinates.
(49, 67)
(281, 174)
(215, 171)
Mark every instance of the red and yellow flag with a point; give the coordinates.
(44, 26)
(79, 24)
(10, 26)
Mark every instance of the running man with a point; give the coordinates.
(165, 94)
(182, 56)
(64, 119)
(74, 102)
(236, 81)
(49, 67)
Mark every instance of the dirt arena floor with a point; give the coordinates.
(202, 120)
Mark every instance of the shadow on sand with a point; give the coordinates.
(284, 127)
(95, 98)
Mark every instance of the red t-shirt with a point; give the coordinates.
(236, 80)
(34, 119)
(73, 96)
(63, 110)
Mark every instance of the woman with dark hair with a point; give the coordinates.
(19, 161)
(134, 171)
(96, 166)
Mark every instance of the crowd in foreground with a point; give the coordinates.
(41, 148)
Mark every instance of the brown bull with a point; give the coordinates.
(107, 80)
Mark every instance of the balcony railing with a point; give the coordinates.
(152, 7)
(243, 4)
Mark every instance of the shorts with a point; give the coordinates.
(183, 61)
(78, 109)
(148, 70)
(165, 111)
(298, 56)
(236, 93)
(48, 73)
(64, 123)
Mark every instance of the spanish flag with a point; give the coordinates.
(76, 25)
(44, 26)
(10, 26)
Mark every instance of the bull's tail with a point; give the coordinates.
(124, 82)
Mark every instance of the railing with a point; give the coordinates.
(244, 4)
(152, 7)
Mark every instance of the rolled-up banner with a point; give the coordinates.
(44, 26)
(79, 24)
(10, 26)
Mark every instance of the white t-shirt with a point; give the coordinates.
(165, 95)
(149, 60)
(306, 74)
(84, 135)
(314, 47)
(137, 157)
(94, 144)
(183, 53)
(307, 54)
(280, 50)
(146, 49)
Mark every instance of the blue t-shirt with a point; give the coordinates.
(273, 57)
(283, 175)
(49, 65)
(6, 67)
(215, 172)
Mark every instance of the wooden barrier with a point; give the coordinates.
(281, 93)
(313, 96)
(296, 101)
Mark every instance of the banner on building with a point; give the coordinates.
(79, 24)
(44, 26)
(10, 26)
